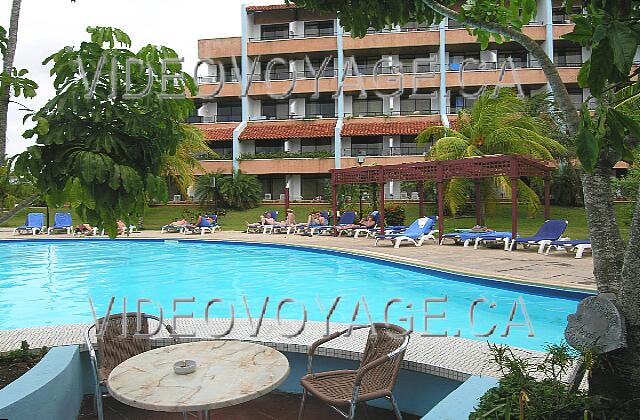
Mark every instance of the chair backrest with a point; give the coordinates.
(274, 214)
(383, 339)
(114, 349)
(552, 229)
(204, 222)
(35, 220)
(419, 227)
(213, 217)
(376, 216)
(63, 220)
(347, 218)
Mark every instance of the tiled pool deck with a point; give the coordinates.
(450, 357)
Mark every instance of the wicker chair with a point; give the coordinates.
(115, 349)
(374, 378)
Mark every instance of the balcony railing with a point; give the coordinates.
(378, 150)
(292, 35)
(203, 80)
(414, 112)
(213, 119)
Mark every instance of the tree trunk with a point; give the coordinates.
(6, 69)
(616, 272)
(17, 209)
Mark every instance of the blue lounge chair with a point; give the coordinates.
(357, 232)
(204, 226)
(304, 228)
(417, 233)
(257, 227)
(493, 237)
(347, 218)
(578, 245)
(62, 222)
(34, 224)
(550, 231)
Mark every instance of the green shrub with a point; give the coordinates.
(242, 191)
(394, 215)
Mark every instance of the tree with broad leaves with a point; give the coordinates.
(105, 153)
(611, 29)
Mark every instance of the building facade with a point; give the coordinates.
(295, 95)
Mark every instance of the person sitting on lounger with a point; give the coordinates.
(366, 223)
(316, 219)
(267, 219)
(122, 228)
(290, 220)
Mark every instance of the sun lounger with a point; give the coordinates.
(417, 233)
(263, 228)
(578, 246)
(34, 224)
(550, 231)
(347, 218)
(62, 223)
(493, 237)
(364, 231)
(204, 227)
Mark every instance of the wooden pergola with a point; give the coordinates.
(473, 168)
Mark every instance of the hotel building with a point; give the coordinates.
(292, 141)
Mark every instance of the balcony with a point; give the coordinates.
(379, 150)
(209, 119)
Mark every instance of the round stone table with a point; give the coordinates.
(227, 373)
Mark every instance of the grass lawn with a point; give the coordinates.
(155, 217)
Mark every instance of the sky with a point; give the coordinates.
(49, 25)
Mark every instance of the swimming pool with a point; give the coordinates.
(49, 283)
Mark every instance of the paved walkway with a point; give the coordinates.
(527, 266)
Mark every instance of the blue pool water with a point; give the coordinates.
(49, 282)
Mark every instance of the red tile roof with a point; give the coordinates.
(217, 131)
(388, 126)
(270, 7)
(291, 129)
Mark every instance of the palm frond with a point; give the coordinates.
(448, 148)
(435, 133)
(457, 192)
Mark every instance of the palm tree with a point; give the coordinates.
(499, 125)
(180, 166)
(241, 191)
(7, 67)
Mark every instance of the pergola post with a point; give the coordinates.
(514, 207)
(286, 199)
(440, 188)
(547, 198)
(381, 210)
(420, 199)
(334, 198)
(479, 218)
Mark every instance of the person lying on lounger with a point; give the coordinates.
(84, 229)
(366, 222)
(179, 223)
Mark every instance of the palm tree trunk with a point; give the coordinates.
(18, 208)
(617, 272)
(7, 68)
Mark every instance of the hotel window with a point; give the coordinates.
(320, 28)
(421, 65)
(316, 145)
(367, 64)
(407, 146)
(326, 108)
(415, 26)
(459, 102)
(519, 58)
(568, 57)
(271, 32)
(273, 185)
(275, 110)
(410, 106)
(229, 112)
(313, 186)
(316, 63)
(367, 145)
(456, 60)
(367, 107)
(223, 149)
(269, 146)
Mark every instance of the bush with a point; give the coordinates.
(394, 216)
(242, 191)
(520, 395)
